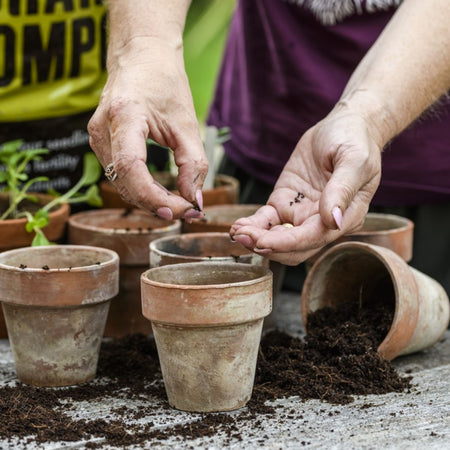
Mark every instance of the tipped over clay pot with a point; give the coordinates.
(198, 247)
(55, 300)
(207, 320)
(366, 273)
(129, 233)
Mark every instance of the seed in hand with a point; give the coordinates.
(288, 225)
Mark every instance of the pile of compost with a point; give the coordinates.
(334, 362)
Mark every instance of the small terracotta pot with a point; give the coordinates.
(129, 233)
(226, 191)
(219, 218)
(207, 320)
(198, 247)
(386, 230)
(14, 235)
(356, 271)
(55, 300)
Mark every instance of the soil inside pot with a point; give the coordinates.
(24, 205)
(334, 362)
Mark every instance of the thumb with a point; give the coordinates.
(346, 188)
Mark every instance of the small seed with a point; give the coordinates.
(288, 225)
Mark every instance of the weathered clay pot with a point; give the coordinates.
(197, 247)
(55, 300)
(386, 230)
(129, 233)
(366, 273)
(207, 320)
(226, 191)
(14, 235)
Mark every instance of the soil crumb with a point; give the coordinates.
(334, 362)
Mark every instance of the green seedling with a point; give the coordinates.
(17, 185)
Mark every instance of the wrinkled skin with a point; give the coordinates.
(335, 163)
(135, 105)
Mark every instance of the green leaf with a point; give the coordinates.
(40, 240)
(93, 197)
(40, 220)
(91, 169)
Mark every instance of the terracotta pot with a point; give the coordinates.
(198, 247)
(207, 320)
(226, 191)
(129, 233)
(386, 230)
(55, 300)
(14, 235)
(356, 271)
(219, 218)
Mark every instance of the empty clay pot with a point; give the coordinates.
(129, 233)
(55, 300)
(356, 271)
(197, 247)
(207, 320)
(386, 230)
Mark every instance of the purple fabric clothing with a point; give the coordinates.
(283, 71)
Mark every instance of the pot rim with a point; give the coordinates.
(201, 265)
(154, 246)
(114, 258)
(74, 221)
(406, 225)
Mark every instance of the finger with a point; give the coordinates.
(192, 166)
(264, 218)
(134, 182)
(311, 235)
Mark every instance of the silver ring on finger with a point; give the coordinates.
(110, 172)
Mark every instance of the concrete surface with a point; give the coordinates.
(420, 419)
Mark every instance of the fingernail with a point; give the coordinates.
(193, 214)
(337, 215)
(165, 213)
(243, 239)
(199, 198)
(262, 251)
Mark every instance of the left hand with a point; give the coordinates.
(324, 191)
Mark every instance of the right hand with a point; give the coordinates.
(147, 94)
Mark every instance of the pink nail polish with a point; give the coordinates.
(199, 198)
(262, 251)
(165, 213)
(243, 239)
(337, 215)
(193, 214)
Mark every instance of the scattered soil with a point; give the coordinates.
(335, 361)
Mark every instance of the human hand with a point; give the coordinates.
(147, 95)
(324, 191)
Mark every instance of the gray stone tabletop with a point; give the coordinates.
(419, 419)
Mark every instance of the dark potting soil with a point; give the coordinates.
(335, 361)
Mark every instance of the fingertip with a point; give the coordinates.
(165, 213)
